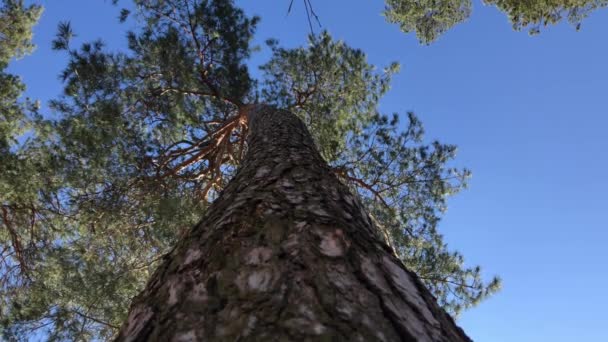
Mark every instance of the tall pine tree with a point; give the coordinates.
(286, 253)
(146, 139)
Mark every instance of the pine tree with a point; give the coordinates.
(286, 253)
(146, 139)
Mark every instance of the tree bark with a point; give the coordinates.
(286, 253)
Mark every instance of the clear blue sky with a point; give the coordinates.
(529, 115)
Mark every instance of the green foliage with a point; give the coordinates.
(16, 29)
(95, 197)
(533, 14)
(430, 18)
(124, 14)
(16, 114)
(15, 41)
(63, 37)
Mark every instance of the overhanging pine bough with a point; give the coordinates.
(285, 253)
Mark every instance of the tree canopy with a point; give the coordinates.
(430, 18)
(145, 138)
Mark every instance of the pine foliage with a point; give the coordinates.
(430, 18)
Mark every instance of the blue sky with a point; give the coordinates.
(529, 115)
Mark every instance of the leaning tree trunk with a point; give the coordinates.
(286, 253)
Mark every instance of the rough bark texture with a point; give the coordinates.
(286, 253)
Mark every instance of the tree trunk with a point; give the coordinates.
(286, 253)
